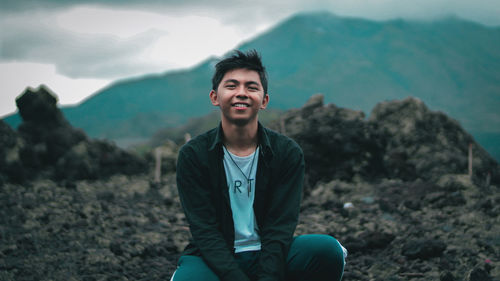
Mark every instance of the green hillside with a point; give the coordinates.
(451, 64)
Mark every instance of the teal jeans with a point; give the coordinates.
(312, 257)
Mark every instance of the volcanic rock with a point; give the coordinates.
(447, 276)
(122, 228)
(479, 274)
(423, 248)
(368, 240)
(47, 133)
(401, 139)
(421, 143)
(11, 168)
(53, 148)
(337, 142)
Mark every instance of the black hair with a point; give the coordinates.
(250, 60)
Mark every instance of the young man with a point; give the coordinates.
(240, 186)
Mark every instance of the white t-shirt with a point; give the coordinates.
(240, 176)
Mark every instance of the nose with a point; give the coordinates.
(241, 93)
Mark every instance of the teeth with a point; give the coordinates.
(240, 105)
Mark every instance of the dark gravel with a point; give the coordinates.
(123, 228)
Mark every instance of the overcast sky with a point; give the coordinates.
(78, 47)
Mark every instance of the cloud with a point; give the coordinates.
(16, 5)
(90, 42)
(22, 75)
(246, 12)
(74, 54)
(77, 49)
(114, 39)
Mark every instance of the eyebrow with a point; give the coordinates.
(238, 82)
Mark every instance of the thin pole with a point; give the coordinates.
(158, 165)
(470, 160)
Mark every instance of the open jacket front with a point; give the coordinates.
(204, 196)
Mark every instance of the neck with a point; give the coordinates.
(240, 140)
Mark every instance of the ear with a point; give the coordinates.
(213, 98)
(265, 102)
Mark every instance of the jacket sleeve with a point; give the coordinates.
(195, 199)
(282, 215)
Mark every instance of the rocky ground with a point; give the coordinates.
(398, 230)
(392, 188)
(115, 229)
(125, 228)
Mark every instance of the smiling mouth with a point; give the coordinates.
(240, 105)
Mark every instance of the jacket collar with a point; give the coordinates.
(218, 137)
(264, 143)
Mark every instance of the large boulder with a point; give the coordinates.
(426, 144)
(402, 139)
(53, 148)
(337, 142)
(48, 135)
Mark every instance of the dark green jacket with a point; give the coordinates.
(204, 195)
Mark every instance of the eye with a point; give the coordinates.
(253, 88)
(230, 86)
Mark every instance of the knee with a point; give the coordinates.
(193, 268)
(326, 249)
(317, 257)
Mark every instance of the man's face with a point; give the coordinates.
(240, 96)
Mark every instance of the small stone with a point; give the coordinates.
(116, 248)
(447, 276)
(479, 274)
(423, 249)
(348, 205)
(377, 240)
(368, 200)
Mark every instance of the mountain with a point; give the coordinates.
(451, 64)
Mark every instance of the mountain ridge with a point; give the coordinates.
(451, 64)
